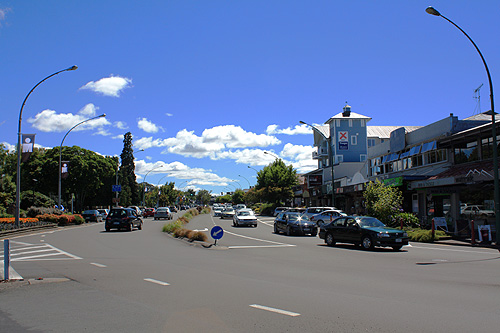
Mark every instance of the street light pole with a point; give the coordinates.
(246, 180)
(496, 189)
(143, 185)
(60, 155)
(18, 169)
(272, 154)
(330, 157)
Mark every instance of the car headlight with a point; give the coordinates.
(383, 235)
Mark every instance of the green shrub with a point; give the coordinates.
(267, 209)
(79, 219)
(172, 226)
(35, 211)
(424, 236)
(409, 221)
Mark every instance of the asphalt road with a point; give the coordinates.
(252, 281)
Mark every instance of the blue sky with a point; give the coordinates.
(206, 87)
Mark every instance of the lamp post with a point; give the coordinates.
(253, 168)
(330, 156)
(18, 169)
(496, 190)
(272, 154)
(143, 185)
(246, 180)
(60, 155)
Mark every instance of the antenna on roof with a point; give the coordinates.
(477, 95)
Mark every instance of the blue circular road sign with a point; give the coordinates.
(217, 232)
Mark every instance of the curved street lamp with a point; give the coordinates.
(246, 180)
(330, 157)
(252, 168)
(60, 154)
(18, 169)
(272, 154)
(432, 11)
(143, 186)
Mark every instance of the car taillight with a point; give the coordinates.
(125, 218)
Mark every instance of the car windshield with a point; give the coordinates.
(296, 217)
(244, 214)
(117, 212)
(369, 222)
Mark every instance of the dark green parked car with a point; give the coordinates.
(362, 230)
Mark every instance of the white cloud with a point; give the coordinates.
(121, 136)
(8, 146)
(120, 125)
(3, 12)
(109, 86)
(148, 126)
(169, 114)
(236, 137)
(51, 121)
(298, 129)
(181, 171)
(301, 157)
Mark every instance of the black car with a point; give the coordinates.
(92, 215)
(362, 230)
(123, 218)
(294, 223)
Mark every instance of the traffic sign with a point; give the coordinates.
(217, 232)
(117, 188)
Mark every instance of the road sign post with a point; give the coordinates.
(216, 233)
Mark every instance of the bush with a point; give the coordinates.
(267, 209)
(172, 226)
(35, 211)
(409, 221)
(424, 236)
(198, 236)
(177, 228)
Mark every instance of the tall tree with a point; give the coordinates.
(275, 182)
(383, 202)
(203, 197)
(130, 194)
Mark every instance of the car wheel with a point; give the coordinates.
(397, 248)
(276, 230)
(289, 231)
(139, 226)
(314, 233)
(108, 229)
(329, 239)
(367, 243)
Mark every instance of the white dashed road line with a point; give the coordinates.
(157, 282)
(98, 265)
(266, 308)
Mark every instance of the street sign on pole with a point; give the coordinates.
(217, 233)
(116, 188)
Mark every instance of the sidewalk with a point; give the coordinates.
(464, 242)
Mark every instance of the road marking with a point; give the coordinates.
(448, 249)
(257, 246)
(98, 265)
(266, 308)
(258, 239)
(157, 282)
(195, 230)
(23, 252)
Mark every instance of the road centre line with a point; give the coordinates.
(98, 265)
(266, 308)
(157, 282)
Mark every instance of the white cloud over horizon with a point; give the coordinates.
(298, 129)
(51, 121)
(108, 86)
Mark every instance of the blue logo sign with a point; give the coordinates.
(117, 188)
(217, 232)
(343, 145)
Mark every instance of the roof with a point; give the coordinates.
(352, 115)
(384, 132)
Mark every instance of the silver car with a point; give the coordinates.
(244, 217)
(163, 213)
